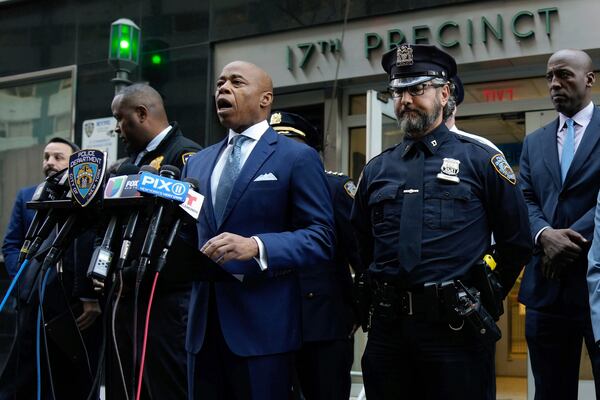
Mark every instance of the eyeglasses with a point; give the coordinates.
(415, 90)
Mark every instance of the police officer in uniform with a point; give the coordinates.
(324, 362)
(143, 126)
(423, 213)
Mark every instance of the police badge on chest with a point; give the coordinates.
(450, 168)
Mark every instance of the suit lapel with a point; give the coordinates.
(588, 143)
(261, 152)
(212, 157)
(550, 152)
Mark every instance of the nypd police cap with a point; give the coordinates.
(294, 125)
(459, 90)
(409, 65)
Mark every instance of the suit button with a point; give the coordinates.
(310, 295)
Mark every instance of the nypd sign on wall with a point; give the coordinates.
(100, 134)
(163, 187)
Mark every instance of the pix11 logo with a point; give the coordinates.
(163, 187)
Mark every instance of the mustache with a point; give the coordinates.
(409, 110)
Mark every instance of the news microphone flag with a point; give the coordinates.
(161, 186)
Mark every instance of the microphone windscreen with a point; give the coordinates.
(194, 183)
(150, 169)
(127, 169)
(172, 171)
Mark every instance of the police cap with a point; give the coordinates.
(409, 65)
(294, 125)
(459, 90)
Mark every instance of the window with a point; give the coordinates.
(33, 109)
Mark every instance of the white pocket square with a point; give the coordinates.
(266, 177)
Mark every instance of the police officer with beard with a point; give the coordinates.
(423, 214)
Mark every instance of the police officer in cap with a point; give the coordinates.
(423, 214)
(324, 362)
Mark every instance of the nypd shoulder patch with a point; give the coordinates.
(350, 188)
(503, 168)
(186, 156)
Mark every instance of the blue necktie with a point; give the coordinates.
(230, 173)
(411, 219)
(568, 150)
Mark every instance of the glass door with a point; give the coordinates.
(382, 129)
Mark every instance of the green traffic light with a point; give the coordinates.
(124, 44)
(156, 59)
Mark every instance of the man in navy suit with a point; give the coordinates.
(267, 213)
(560, 178)
(56, 158)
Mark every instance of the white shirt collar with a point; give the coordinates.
(582, 118)
(157, 139)
(254, 132)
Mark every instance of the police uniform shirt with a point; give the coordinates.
(458, 217)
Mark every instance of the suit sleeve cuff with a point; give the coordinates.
(537, 235)
(262, 254)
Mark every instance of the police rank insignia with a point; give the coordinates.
(404, 55)
(156, 163)
(503, 168)
(350, 188)
(86, 174)
(275, 118)
(186, 156)
(450, 168)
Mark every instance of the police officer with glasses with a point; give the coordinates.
(423, 214)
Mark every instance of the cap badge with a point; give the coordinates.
(450, 168)
(404, 55)
(275, 119)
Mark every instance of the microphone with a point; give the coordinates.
(53, 188)
(162, 259)
(167, 171)
(131, 225)
(103, 254)
(62, 192)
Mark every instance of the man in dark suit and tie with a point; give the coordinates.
(267, 213)
(560, 178)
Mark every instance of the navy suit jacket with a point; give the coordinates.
(292, 216)
(559, 205)
(327, 290)
(20, 219)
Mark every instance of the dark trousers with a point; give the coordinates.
(72, 379)
(411, 359)
(554, 340)
(215, 373)
(165, 365)
(323, 369)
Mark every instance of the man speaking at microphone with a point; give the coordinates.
(142, 124)
(267, 213)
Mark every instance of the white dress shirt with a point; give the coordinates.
(254, 132)
(153, 144)
(582, 120)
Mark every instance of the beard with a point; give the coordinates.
(414, 122)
